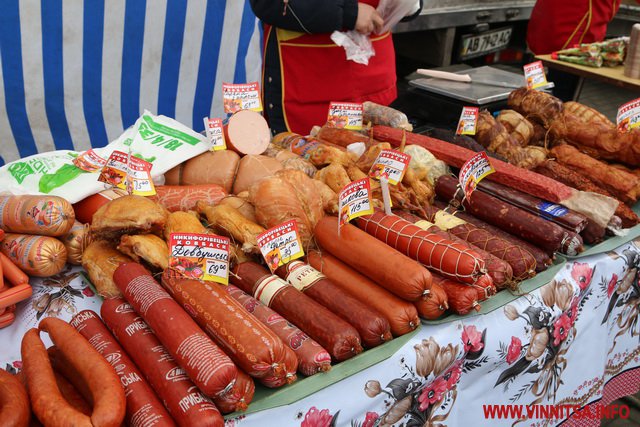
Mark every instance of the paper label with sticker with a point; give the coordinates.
(280, 244)
(215, 133)
(245, 96)
(534, 75)
(115, 170)
(468, 121)
(355, 200)
(138, 180)
(347, 115)
(200, 256)
(628, 116)
(90, 161)
(473, 171)
(391, 164)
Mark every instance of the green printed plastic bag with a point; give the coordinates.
(157, 139)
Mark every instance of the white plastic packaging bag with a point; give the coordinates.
(159, 140)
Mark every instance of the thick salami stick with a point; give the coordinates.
(435, 252)
(401, 314)
(371, 325)
(207, 366)
(434, 307)
(14, 401)
(543, 259)
(337, 336)
(514, 220)
(186, 404)
(47, 402)
(143, 406)
(462, 297)
(523, 264)
(373, 258)
(555, 213)
(107, 394)
(251, 345)
(499, 270)
(309, 355)
(598, 208)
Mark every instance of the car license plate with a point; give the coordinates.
(473, 46)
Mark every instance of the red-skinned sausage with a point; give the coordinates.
(371, 325)
(207, 366)
(250, 344)
(186, 404)
(143, 406)
(401, 314)
(337, 336)
(310, 357)
(14, 401)
(375, 259)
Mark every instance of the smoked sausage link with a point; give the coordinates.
(107, 394)
(186, 404)
(337, 336)
(143, 406)
(207, 366)
(401, 314)
(14, 402)
(378, 261)
(371, 325)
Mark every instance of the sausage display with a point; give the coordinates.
(250, 344)
(374, 259)
(207, 366)
(106, 392)
(47, 402)
(143, 406)
(14, 401)
(435, 252)
(186, 404)
(331, 332)
(514, 220)
(373, 328)
(462, 298)
(402, 315)
(311, 357)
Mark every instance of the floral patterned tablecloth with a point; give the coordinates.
(573, 343)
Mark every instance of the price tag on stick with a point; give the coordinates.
(468, 121)
(534, 74)
(280, 244)
(473, 171)
(200, 256)
(391, 164)
(130, 173)
(628, 116)
(354, 200)
(215, 133)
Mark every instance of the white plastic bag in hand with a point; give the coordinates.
(392, 11)
(357, 45)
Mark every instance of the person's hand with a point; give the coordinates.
(369, 20)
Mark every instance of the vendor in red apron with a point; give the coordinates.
(304, 70)
(557, 24)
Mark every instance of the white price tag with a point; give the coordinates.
(468, 121)
(473, 171)
(215, 133)
(200, 256)
(280, 244)
(347, 115)
(355, 200)
(628, 116)
(238, 97)
(391, 164)
(534, 74)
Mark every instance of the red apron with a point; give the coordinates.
(561, 24)
(315, 72)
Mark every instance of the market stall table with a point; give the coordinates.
(611, 75)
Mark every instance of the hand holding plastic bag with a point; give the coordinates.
(358, 46)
